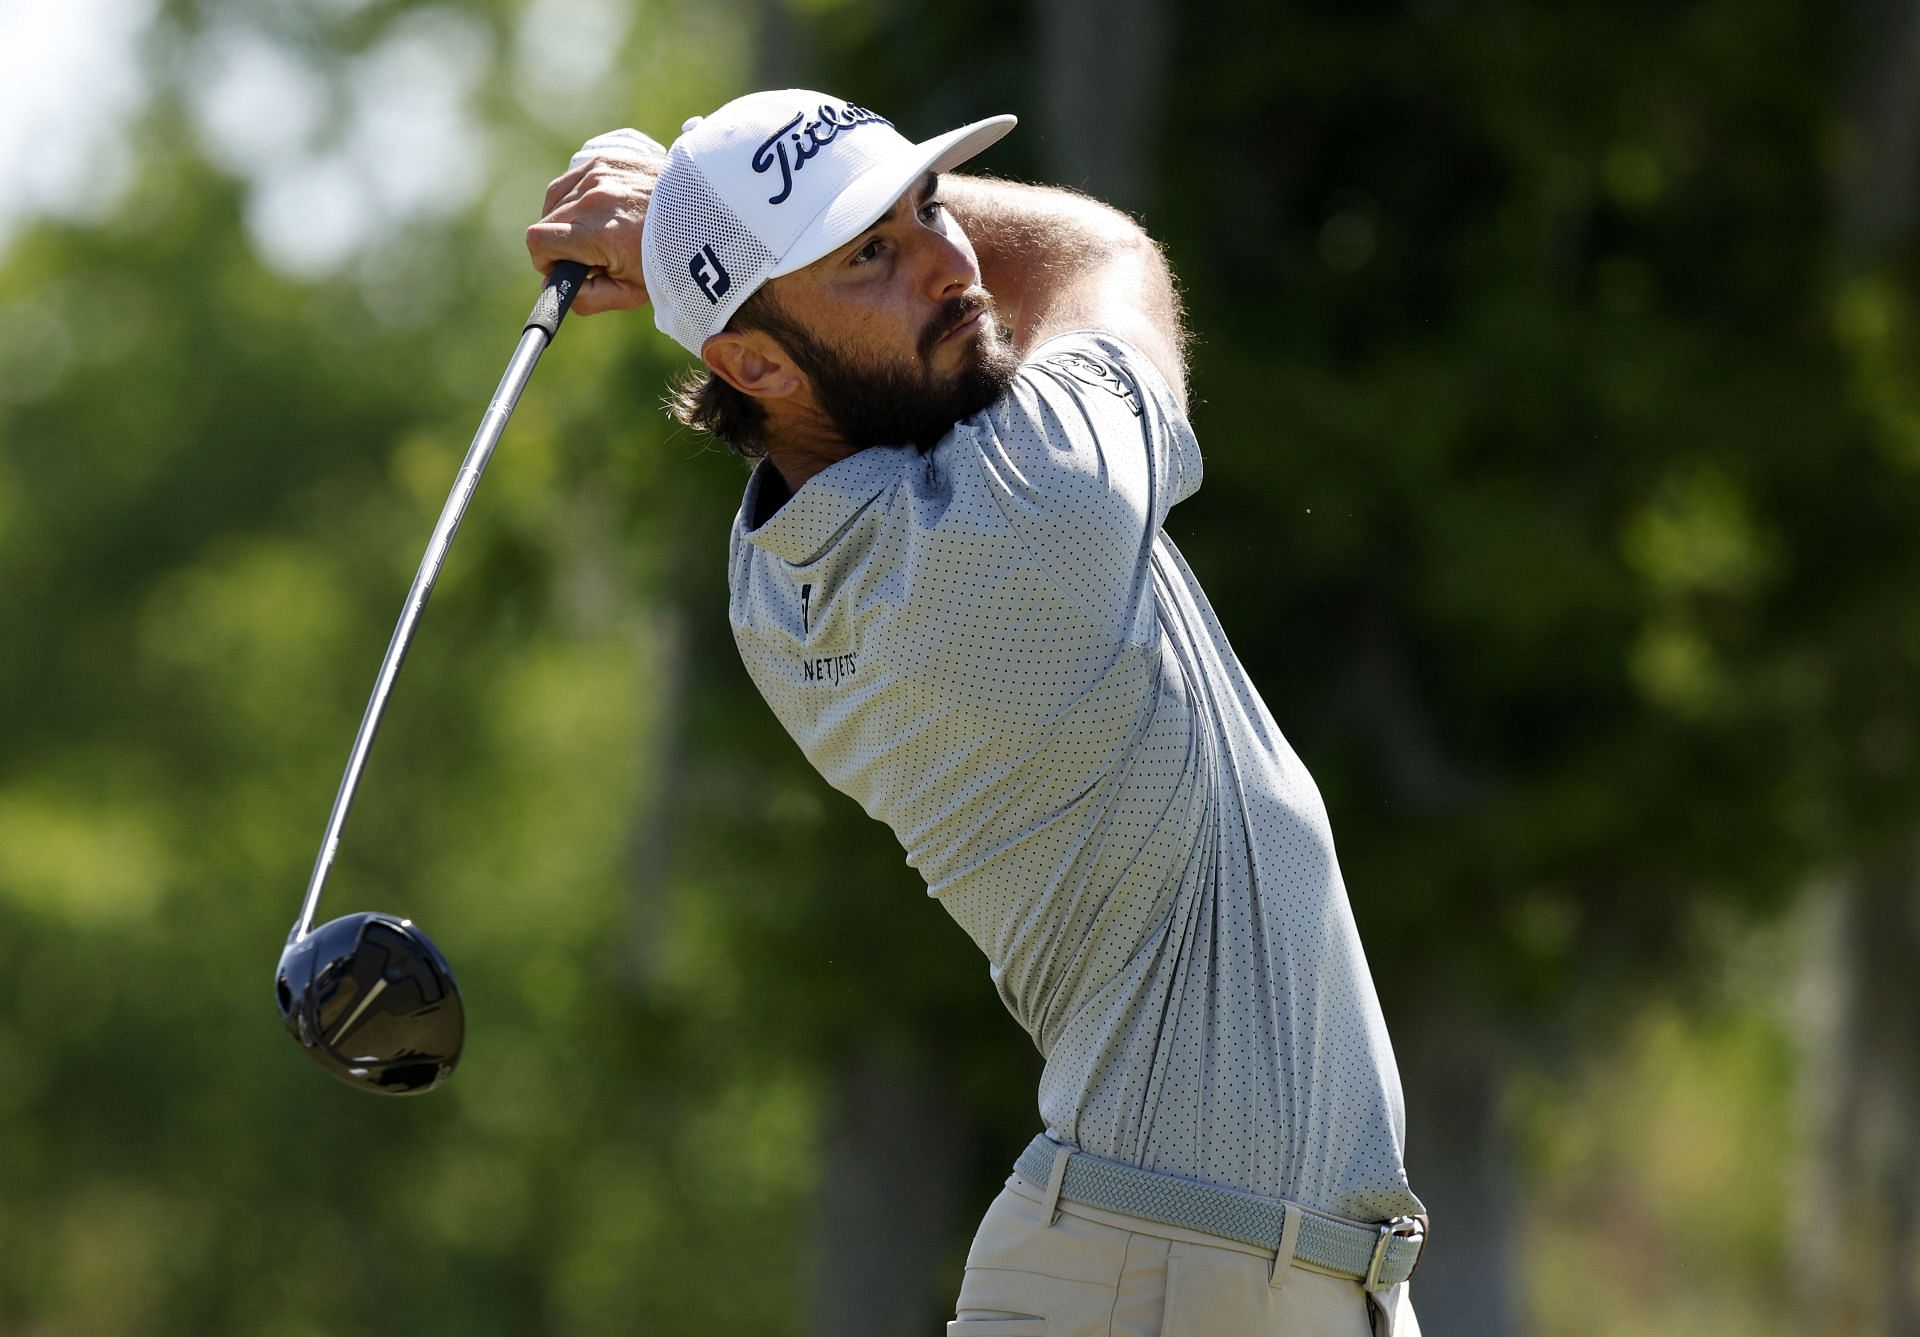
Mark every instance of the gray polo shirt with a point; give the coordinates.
(996, 651)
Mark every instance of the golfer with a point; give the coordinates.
(949, 579)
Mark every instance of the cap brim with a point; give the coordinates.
(856, 208)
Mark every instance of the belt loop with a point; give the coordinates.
(1289, 1236)
(1049, 1207)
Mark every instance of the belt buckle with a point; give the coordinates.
(1407, 1227)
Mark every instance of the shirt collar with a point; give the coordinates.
(825, 504)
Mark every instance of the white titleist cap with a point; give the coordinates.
(767, 185)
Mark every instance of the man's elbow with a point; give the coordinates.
(1118, 232)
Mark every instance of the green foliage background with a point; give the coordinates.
(1560, 493)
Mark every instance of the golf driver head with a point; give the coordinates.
(372, 999)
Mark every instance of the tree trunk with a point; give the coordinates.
(1460, 1162)
(1454, 1062)
(1856, 1229)
(1876, 187)
(1101, 70)
(894, 1172)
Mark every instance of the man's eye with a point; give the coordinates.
(931, 210)
(866, 254)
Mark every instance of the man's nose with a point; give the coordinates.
(951, 266)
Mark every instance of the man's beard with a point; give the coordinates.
(875, 404)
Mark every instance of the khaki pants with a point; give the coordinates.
(1095, 1273)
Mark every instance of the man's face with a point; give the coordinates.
(893, 331)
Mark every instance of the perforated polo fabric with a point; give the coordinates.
(995, 650)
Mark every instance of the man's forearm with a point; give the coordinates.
(1056, 260)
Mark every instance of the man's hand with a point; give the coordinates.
(595, 213)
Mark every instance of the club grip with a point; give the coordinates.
(563, 285)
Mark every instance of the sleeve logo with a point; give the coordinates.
(1092, 371)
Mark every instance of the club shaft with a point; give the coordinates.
(533, 341)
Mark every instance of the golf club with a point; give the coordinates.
(369, 996)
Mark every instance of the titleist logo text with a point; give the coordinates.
(792, 144)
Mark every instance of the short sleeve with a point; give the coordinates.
(1086, 454)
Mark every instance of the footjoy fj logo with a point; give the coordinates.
(807, 139)
(712, 277)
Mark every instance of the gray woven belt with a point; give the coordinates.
(1376, 1256)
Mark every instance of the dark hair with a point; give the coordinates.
(705, 402)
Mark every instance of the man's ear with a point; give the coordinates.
(753, 364)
